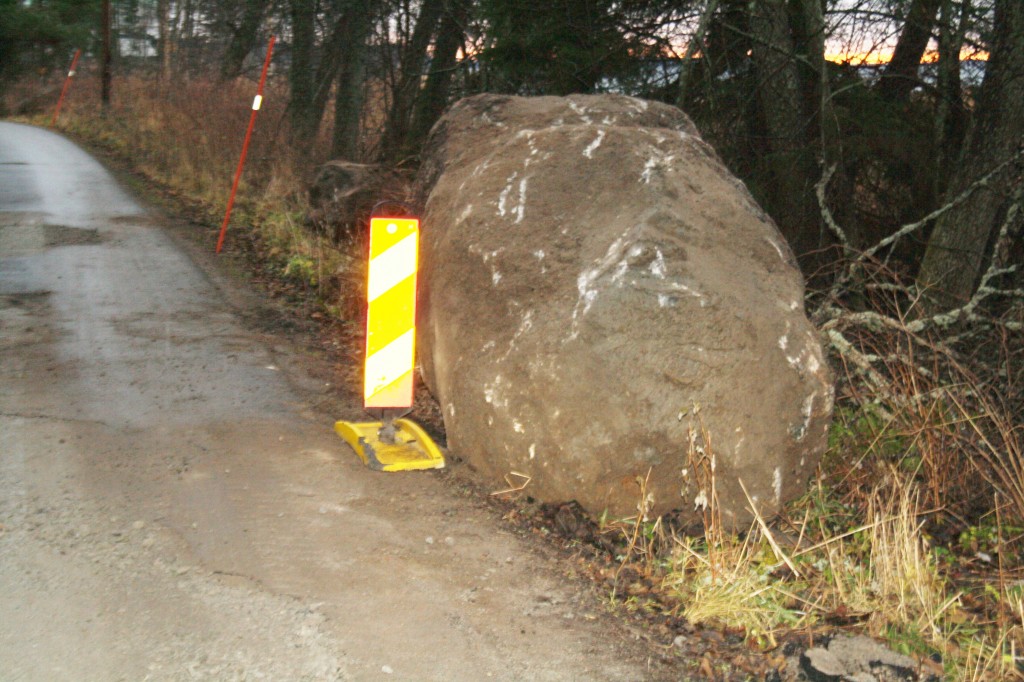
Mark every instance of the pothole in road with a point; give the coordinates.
(61, 235)
(24, 299)
(20, 238)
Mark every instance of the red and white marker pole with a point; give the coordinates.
(67, 84)
(257, 101)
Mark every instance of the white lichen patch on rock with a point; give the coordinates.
(524, 326)
(490, 258)
(503, 197)
(494, 393)
(740, 438)
(580, 111)
(527, 135)
(807, 411)
(481, 167)
(592, 147)
(520, 209)
(809, 359)
(658, 268)
(778, 249)
(649, 166)
(585, 282)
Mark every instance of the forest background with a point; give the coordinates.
(884, 137)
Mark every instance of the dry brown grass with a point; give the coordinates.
(187, 135)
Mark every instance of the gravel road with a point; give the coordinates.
(173, 506)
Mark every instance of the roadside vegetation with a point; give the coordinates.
(913, 528)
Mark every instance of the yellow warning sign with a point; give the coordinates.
(391, 313)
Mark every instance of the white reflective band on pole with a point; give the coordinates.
(256, 102)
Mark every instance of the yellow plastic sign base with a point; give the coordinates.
(412, 448)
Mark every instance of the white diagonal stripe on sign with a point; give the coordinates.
(390, 362)
(392, 266)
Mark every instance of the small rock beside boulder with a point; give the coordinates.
(344, 193)
(857, 659)
(591, 273)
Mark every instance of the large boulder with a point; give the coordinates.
(590, 275)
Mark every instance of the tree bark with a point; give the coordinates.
(900, 76)
(348, 97)
(331, 56)
(164, 37)
(349, 33)
(301, 76)
(407, 87)
(728, 38)
(958, 246)
(697, 44)
(788, 126)
(810, 45)
(105, 56)
(243, 38)
(188, 24)
(434, 98)
(951, 115)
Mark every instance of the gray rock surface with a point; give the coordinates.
(856, 659)
(821, 665)
(591, 272)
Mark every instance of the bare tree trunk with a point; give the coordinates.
(696, 45)
(243, 38)
(396, 130)
(900, 75)
(188, 24)
(451, 36)
(950, 113)
(348, 96)
(300, 103)
(725, 50)
(957, 249)
(106, 58)
(728, 39)
(788, 128)
(350, 28)
(817, 95)
(164, 37)
(176, 22)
